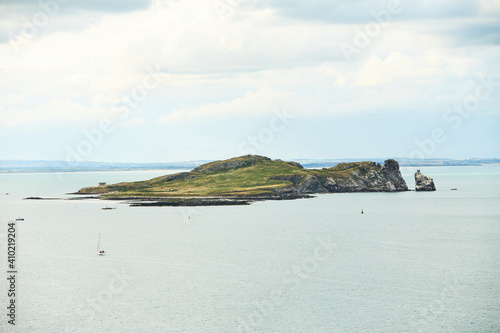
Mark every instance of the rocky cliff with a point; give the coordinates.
(352, 177)
(423, 182)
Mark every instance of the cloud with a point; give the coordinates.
(55, 110)
(134, 121)
(486, 32)
(262, 102)
(342, 11)
(115, 6)
(42, 17)
(360, 11)
(397, 68)
(490, 8)
(267, 55)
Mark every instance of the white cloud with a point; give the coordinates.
(489, 8)
(108, 57)
(399, 68)
(247, 65)
(134, 121)
(262, 102)
(54, 110)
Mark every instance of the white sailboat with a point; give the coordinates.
(99, 251)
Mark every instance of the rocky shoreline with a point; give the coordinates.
(184, 201)
(205, 201)
(173, 202)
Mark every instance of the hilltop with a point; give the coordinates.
(253, 177)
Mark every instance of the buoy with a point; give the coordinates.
(362, 212)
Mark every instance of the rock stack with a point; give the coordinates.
(423, 182)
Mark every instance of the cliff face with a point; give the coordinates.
(423, 182)
(352, 177)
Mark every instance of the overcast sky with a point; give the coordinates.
(176, 80)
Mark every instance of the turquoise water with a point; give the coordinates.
(414, 262)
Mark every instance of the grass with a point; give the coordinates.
(248, 180)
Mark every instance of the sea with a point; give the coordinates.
(412, 262)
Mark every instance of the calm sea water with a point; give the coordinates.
(414, 262)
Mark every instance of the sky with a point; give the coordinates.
(180, 80)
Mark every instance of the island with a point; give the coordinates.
(242, 180)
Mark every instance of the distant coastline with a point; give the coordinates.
(29, 166)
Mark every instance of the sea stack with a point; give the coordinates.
(423, 182)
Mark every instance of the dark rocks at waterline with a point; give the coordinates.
(74, 198)
(40, 198)
(181, 202)
(423, 182)
(191, 202)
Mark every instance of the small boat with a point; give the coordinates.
(453, 189)
(99, 251)
(362, 212)
(108, 208)
(20, 219)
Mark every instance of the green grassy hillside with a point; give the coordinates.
(245, 176)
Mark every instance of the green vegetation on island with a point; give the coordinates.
(257, 177)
